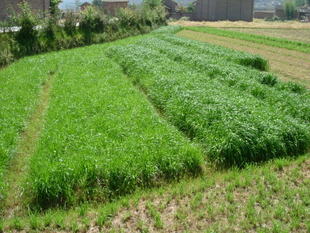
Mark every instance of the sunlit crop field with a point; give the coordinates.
(85, 127)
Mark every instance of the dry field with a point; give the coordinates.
(302, 35)
(288, 64)
(257, 23)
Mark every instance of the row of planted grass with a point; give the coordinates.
(102, 138)
(261, 39)
(238, 114)
(217, 52)
(205, 59)
(20, 85)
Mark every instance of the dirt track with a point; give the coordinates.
(288, 64)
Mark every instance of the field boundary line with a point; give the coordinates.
(25, 148)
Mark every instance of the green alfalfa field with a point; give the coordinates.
(152, 133)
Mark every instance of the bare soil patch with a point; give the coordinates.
(288, 64)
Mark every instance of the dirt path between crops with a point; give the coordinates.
(288, 64)
(25, 148)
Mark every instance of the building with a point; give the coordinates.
(111, 7)
(7, 6)
(170, 6)
(84, 6)
(303, 13)
(214, 10)
(261, 14)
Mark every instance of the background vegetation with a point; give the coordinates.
(57, 31)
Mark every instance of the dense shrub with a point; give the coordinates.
(27, 36)
(290, 9)
(128, 18)
(90, 26)
(91, 22)
(70, 24)
(6, 55)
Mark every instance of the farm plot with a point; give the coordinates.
(102, 138)
(237, 114)
(302, 35)
(19, 88)
(290, 65)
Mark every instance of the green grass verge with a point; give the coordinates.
(20, 85)
(238, 114)
(261, 39)
(102, 138)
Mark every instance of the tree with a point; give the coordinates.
(152, 3)
(289, 9)
(97, 3)
(299, 2)
(191, 7)
(54, 7)
(27, 36)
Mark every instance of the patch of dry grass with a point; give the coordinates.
(257, 23)
(302, 35)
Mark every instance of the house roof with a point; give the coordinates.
(86, 4)
(114, 0)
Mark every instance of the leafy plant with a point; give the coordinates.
(91, 23)
(70, 24)
(27, 36)
(289, 9)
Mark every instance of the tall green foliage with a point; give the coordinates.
(289, 9)
(27, 36)
(300, 2)
(152, 3)
(54, 6)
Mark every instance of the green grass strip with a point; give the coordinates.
(237, 114)
(102, 137)
(20, 85)
(261, 39)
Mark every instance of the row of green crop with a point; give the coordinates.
(226, 107)
(218, 52)
(205, 59)
(261, 39)
(19, 88)
(102, 137)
